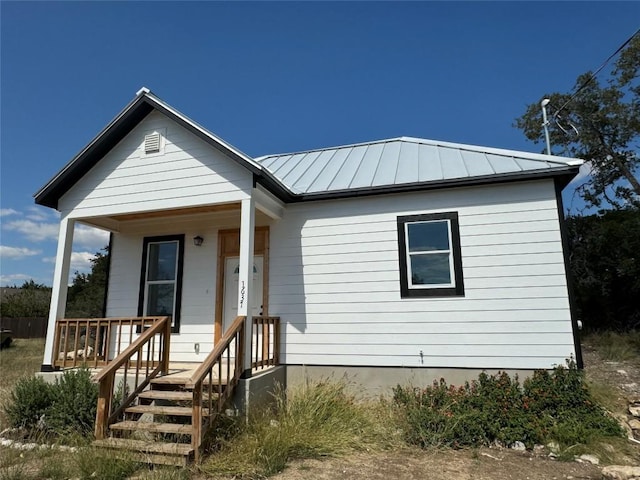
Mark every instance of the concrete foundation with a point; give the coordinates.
(376, 381)
(257, 391)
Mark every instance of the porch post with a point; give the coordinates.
(245, 278)
(59, 290)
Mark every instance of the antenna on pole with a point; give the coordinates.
(545, 123)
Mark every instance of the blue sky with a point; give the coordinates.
(274, 77)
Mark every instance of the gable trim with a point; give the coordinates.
(136, 111)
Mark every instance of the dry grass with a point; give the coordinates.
(22, 359)
(309, 421)
(617, 347)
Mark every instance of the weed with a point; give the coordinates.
(310, 421)
(613, 346)
(165, 473)
(15, 472)
(105, 465)
(58, 465)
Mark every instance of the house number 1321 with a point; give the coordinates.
(242, 292)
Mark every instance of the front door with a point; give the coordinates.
(231, 274)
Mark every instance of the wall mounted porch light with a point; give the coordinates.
(197, 241)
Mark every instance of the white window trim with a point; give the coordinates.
(448, 251)
(173, 282)
(143, 291)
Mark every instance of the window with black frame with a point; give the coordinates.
(430, 255)
(161, 278)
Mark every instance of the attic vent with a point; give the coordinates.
(152, 143)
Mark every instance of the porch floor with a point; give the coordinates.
(180, 372)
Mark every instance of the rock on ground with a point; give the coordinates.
(621, 472)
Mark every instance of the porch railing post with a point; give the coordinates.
(166, 341)
(105, 393)
(196, 420)
(276, 342)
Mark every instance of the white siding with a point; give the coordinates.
(186, 172)
(334, 280)
(198, 284)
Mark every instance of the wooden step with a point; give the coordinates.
(150, 452)
(151, 458)
(181, 381)
(170, 380)
(153, 427)
(173, 395)
(161, 410)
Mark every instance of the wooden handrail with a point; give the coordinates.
(213, 384)
(153, 366)
(94, 342)
(203, 370)
(131, 349)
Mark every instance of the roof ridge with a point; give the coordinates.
(336, 147)
(437, 143)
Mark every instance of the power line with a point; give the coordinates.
(594, 74)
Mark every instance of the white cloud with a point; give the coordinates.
(81, 261)
(90, 238)
(39, 214)
(5, 212)
(14, 278)
(17, 252)
(34, 231)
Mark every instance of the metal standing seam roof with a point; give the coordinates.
(396, 164)
(399, 161)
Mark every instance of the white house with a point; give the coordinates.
(391, 261)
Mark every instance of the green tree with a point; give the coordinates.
(30, 300)
(85, 297)
(606, 118)
(605, 268)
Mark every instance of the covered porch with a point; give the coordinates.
(176, 355)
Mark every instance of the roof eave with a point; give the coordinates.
(50, 193)
(563, 175)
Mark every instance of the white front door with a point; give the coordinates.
(231, 274)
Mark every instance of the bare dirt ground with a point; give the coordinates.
(621, 380)
(413, 464)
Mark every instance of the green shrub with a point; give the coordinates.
(553, 405)
(67, 407)
(75, 400)
(28, 403)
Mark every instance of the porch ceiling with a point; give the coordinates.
(227, 215)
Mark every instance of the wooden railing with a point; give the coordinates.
(265, 336)
(95, 342)
(144, 358)
(214, 381)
